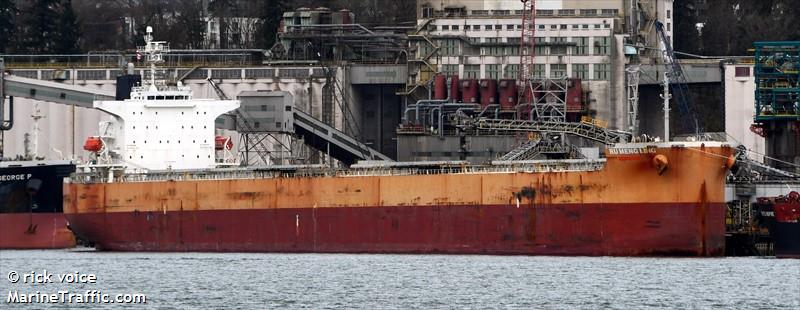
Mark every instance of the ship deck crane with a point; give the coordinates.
(675, 80)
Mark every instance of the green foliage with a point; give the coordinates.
(731, 26)
(8, 15)
(68, 34)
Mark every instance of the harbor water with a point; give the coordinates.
(325, 281)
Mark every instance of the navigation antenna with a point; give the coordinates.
(153, 53)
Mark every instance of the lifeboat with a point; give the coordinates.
(93, 144)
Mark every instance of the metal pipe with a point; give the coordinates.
(6, 125)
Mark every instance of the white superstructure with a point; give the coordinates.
(161, 127)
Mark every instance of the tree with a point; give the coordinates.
(41, 33)
(8, 14)
(687, 38)
(68, 32)
(271, 13)
(191, 19)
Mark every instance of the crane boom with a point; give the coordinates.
(678, 83)
(526, 50)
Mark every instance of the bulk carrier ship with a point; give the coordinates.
(160, 185)
(31, 207)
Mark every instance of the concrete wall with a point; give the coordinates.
(740, 109)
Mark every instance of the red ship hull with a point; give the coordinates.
(651, 229)
(35, 231)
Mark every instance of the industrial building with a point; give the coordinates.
(578, 39)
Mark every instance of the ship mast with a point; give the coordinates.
(153, 53)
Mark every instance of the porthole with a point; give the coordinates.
(204, 127)
(146, 127)
(141, 157)
(198, 156)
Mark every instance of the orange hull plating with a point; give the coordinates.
(674, 203)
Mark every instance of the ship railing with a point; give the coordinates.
(501, 167)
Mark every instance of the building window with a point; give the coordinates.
(581, 45)
(480, 12)
(455, 27)
(509, 27)
(742, 71)
(487, 27)
(511, 72)
(575, 26)
(539, 46)
(607, 26)
(512, 50)
(450, 69)
(580, 71)
(558, 46)
(494, 49)
(445, 27)
(498, 27)
(471, 48)
(585, 26)
(590, 12)
(669, 26)
(472, 71)
(596, 26)
(602, 45)
(544, 12)
(424, 48)
(427, 12)
(563, 27)
(669, 14)
(538, 71)
(566, 12)
(602, 71)
(493, 72)
(558, 70)
(449, 47)
(541, 27)
(609, 12)
(553, 27)
(467, 27)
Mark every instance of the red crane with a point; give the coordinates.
(526, 50)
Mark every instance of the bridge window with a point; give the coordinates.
(742, 71)
(150, 98)
(170, 97)
(159, 97)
